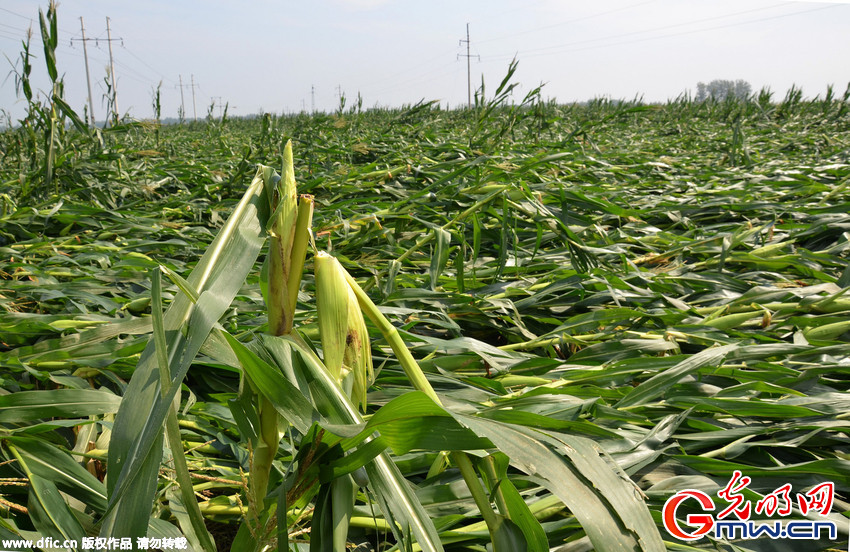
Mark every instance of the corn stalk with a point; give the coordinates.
(289, 233)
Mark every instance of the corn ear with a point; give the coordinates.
(332, 308)
(358, 351)
(301, 240)
(282, 229)
(342, 329)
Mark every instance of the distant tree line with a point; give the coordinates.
(720, 89)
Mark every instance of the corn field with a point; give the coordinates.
(511, 327)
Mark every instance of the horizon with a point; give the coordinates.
(305, 58)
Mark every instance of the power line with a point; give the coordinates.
(422, 77)
(143, 62)
(562, 23)
(10, 36)
(129, 68)
(14, 28)
(109, 40)
(393, 76)
(525, 6)
(565, 47)
(30, 19)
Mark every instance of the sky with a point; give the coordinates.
(284, 56)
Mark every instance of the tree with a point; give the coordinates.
(720, 90)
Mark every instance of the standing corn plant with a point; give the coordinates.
(288, 388)
(49, 118)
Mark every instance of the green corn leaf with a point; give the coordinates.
(26, 406)
(414, 422)
(508, 536)
(269, 381)
(322, 528)
(135, 446)
(334, 508)
(610, 510)
(516, 510)
(58, 467)
(399, 504)
(49, 513)
(439, 256)
(185, 507)
(657, 384)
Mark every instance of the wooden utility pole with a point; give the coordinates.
(112, 71)
(88, 75)
(468, 69)
(468, 57)
(194, 111)
(182, 103)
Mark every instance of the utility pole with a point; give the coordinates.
(88, 76)
(313, 98)
(468, 66)
(182, 103)
(340, 97)
(194, 111)
(112, 71)
(221, 105)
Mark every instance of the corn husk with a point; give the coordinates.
(342, 329)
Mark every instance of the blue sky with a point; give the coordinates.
(283, 56)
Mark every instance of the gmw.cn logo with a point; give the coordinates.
(733, 522)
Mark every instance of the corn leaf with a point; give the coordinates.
(398, 502)
(136, 443)
(60, 469)
(49, 513)
(610, 510)
(26, 406)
